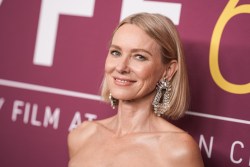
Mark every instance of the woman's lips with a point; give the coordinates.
(123, 82)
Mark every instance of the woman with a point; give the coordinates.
(146, 80)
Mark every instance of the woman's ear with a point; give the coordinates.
(171, 69)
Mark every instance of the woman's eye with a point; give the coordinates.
(115, 53)
(140, 57)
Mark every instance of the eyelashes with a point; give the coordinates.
(136, 56)
(115, 52)
(140, 57)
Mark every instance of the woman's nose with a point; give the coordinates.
(123, 65)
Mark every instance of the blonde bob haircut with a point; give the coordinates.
(164, 32)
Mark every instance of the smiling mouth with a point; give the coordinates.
(123, 82)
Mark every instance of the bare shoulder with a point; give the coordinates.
(178, 146)
(85, 132)
(182, 149)
(79, 135)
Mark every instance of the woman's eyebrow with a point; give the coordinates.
(141, 50)
(115, 46)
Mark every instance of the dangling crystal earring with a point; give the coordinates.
(113, 101)
(161, 102)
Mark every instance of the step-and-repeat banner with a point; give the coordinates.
(52, 56)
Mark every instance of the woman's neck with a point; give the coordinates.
(134, 117)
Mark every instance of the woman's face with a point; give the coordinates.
(133, 65)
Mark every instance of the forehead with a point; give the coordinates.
(131, 36)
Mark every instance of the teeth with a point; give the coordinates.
(121, 80)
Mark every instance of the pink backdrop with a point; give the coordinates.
(52, 56)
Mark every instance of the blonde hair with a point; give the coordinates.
(164, 32)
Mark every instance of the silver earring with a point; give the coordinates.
(113, 101)
(161, 102)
